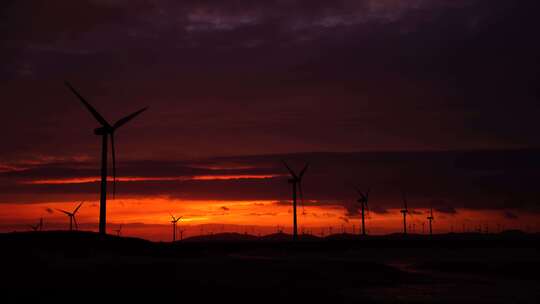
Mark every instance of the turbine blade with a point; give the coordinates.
(359, 191)
(124, 120)
(64, 211)
(404, 201)
(77, 209)
(290, 170)
(91, 109)
(301, 196)
(367, 209)
(363, 197)
(75, 222)
(367, 193)
(303, 171)
(113, 165)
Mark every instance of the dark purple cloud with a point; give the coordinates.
(510, 215)
(236, 78)
(503, 180)
(446, 210)
(379, 210)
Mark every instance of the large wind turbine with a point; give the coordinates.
(105, 131)
(296, 181)
(174, 222)
(71, 216)
(430, 219)
(404, 211)
(364, 197)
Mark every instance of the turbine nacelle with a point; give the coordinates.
(103, 131)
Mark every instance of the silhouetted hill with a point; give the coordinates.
(342, 236)
(280, 236)
(222, 237)
(244, 267)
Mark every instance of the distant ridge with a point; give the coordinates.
(223, 237)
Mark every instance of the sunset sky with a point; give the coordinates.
(436, 98)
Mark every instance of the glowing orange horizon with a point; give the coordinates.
(149, 218)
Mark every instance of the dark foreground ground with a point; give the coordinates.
(79, 267)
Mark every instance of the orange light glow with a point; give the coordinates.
(149, 218)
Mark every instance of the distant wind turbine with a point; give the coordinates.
(71, 216)
(364, 198)
(404, 211)
(181, 234)
(430, 219)
(105, 131)
(174, 222)
(38, 226)
(296, 182)
(35, 227)
(119, 230)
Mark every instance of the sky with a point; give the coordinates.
(434, 98)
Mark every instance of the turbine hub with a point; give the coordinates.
(102, 131)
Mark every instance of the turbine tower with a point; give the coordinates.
(430, 219)
(174, 222)
(296, 182)
(404, 211)
(71, 216)
(364, 198)
(105, 131)
(181, 234)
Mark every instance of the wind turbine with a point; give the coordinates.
(181, 234)
(364, 197)
(404, 211)
(105, 131)
(119, 230)
(35, 227)
(38, 226)
(71, 216)
(430, 219)
(174, 221)
(296, 181)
